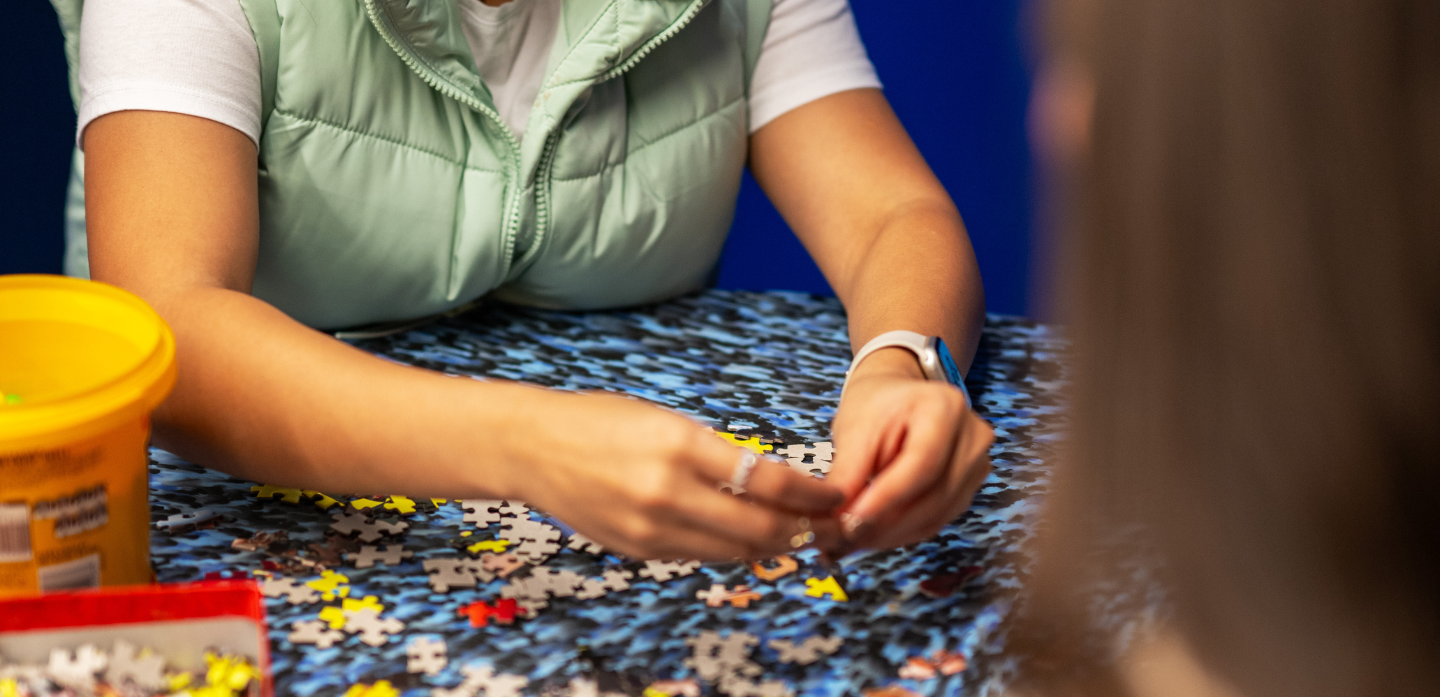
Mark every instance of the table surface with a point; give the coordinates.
(762, 364)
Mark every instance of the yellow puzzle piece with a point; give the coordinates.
(367, 602)
(751, 443)
(381, 688)
(321, 500)
(330, 584)
(496, 546)
(268, 491)
(228, 672)
(400, 504)
(333, 615)
(817, 588)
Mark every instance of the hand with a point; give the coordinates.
(644, 482)
(909, 454)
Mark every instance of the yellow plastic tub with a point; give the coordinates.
(82, 365)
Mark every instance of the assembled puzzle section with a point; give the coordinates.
(385, 595)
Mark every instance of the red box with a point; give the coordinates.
(180, 621)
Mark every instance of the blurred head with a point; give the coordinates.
(1250, 232)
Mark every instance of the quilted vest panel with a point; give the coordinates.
(389, 188)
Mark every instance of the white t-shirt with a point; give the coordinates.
(198, 57)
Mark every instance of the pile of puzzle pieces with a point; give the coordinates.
(505, 550)
(767, 364)
(364, 538)
(126, 670)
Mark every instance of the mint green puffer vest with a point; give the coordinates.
(390, 188)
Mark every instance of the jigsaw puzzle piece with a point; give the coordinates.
(662, 571)
(267, 491)
(372, 629)
(314, 632)
(426, 655)
(818, 588)
(784, 564)
(370, 555)
(482, 512)
(449, 572)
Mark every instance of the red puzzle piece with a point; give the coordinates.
(482, 613)
(943, 585)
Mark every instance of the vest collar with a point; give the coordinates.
(597, 38)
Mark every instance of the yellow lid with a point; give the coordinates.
(76, 358)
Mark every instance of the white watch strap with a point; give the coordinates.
(899, 338)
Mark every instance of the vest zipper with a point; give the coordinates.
(655, 41)
(542, 188)
(512, 217)
(542, 174)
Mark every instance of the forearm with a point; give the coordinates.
(879, 224)
(918, 273)
(265, 398)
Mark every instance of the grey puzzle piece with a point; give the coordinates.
(662, 571)
(612, 580)
(183, 522)
(372, 629)
(559, 583)
(808, 651)
(740, 686)
(317, 632)
(449, 572)
(370, 530)
(483, 680)
(582, 543)
(515, 509)
(147, 672)
(820, 454)
(482, 512)
(715, 656)
(425, 655)
(76, 671)
(295, 593)
(534, 540)
(370, 555)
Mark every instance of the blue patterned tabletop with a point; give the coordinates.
(924, 619)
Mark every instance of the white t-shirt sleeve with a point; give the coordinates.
(198, 57)
(811, 50)
(193, 57)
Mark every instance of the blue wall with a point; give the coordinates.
(952, 69)
(954, 72)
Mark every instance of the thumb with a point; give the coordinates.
(859, 455)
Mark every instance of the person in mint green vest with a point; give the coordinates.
(259, 170)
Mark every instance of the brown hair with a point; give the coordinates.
(1252, 255)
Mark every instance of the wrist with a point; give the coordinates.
(893, 362)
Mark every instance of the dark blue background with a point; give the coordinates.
(952, 68)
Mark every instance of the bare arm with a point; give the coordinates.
(849, 181)
(879, 224)
(172, 214)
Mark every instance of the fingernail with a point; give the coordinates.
(854, 526)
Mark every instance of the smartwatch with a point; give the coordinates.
(934, 356)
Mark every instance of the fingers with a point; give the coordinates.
(929, 443)
(932, 510)
(763, 530)
(771, 483)
(865, 451)
(696, 521)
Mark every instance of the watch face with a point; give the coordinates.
(947, 364)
